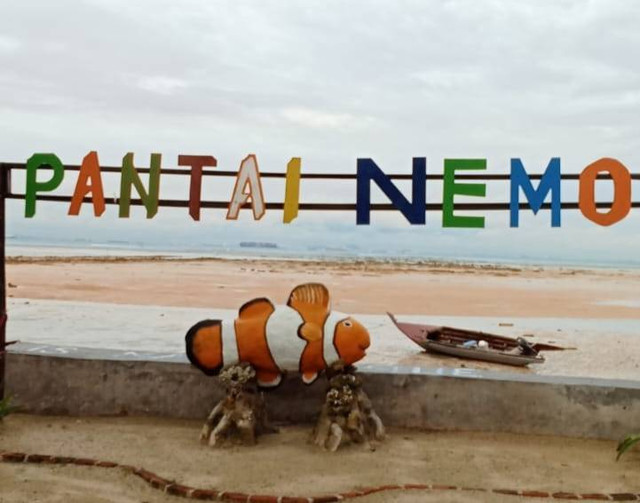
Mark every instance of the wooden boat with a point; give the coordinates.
(468, 344)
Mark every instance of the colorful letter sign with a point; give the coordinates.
(131, 178)
(35, 162)
(413, 211)
(248, 191)
(89, 182)
(248, 187)
(550, 183)
(622, 191)
(451, 188)
(197, 162)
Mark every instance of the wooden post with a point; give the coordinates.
(4, 190)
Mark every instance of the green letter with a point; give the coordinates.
(130, 177)
(451, 188)
(33, 186)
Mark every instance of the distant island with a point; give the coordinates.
(257, 244)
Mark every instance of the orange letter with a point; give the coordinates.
(621, 197)
(90, 169)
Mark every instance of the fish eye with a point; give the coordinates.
(347, 323)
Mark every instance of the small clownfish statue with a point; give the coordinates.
(304, 336)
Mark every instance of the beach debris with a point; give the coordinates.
(626, 443)
(241, 416)
(6, 407)
(347, 413)
(4, 345)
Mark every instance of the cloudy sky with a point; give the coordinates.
(328, 81)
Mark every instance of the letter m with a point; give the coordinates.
(550, 182)
(413, 211)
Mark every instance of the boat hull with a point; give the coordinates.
(448, 341)
(479, 354)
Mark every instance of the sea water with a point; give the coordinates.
(35, 248)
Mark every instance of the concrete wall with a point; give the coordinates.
(96, 383)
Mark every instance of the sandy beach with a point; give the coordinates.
(146, 303)
(357, 287)
(170, 449)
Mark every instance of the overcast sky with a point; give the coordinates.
(329, 81)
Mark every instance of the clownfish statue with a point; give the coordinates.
(304, 336)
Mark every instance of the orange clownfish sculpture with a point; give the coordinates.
(303, 336)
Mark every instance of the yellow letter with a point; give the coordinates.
(292, 191)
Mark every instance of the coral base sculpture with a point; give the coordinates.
(263, 343)
(241, 416)
(347, 413)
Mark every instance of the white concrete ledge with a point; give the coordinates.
(47, 379)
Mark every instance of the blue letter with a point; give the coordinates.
(414, 212)
(550, 182)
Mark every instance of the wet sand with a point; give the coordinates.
(285, 464)
(148, 303)
(157, 332)
(357, 287)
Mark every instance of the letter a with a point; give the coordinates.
(89, 182)
(248, 178)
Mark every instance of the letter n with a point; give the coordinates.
(550, 182)
(413, 211)
(130, 178)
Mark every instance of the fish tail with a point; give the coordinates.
(204, 346)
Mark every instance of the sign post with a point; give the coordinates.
(4, 190)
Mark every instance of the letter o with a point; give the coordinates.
(621, 195)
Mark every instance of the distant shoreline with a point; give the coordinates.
(376, 263)
(356, 263)
(44, 253)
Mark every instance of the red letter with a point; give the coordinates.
(197, 162)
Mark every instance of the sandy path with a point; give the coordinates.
(70, 484)
(356, 287)
(285, 464)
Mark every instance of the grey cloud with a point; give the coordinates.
(326, 80)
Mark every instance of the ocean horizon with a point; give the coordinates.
(247, 250)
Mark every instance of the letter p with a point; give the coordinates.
(35, 162)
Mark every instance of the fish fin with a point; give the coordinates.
(311, 361)
(309, 377)
(204, 346)
(256, 308)
(268, 378)
(311, 332)
(312, 301)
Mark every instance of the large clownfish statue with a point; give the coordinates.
(304, 336)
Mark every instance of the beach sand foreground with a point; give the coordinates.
(284, 464)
